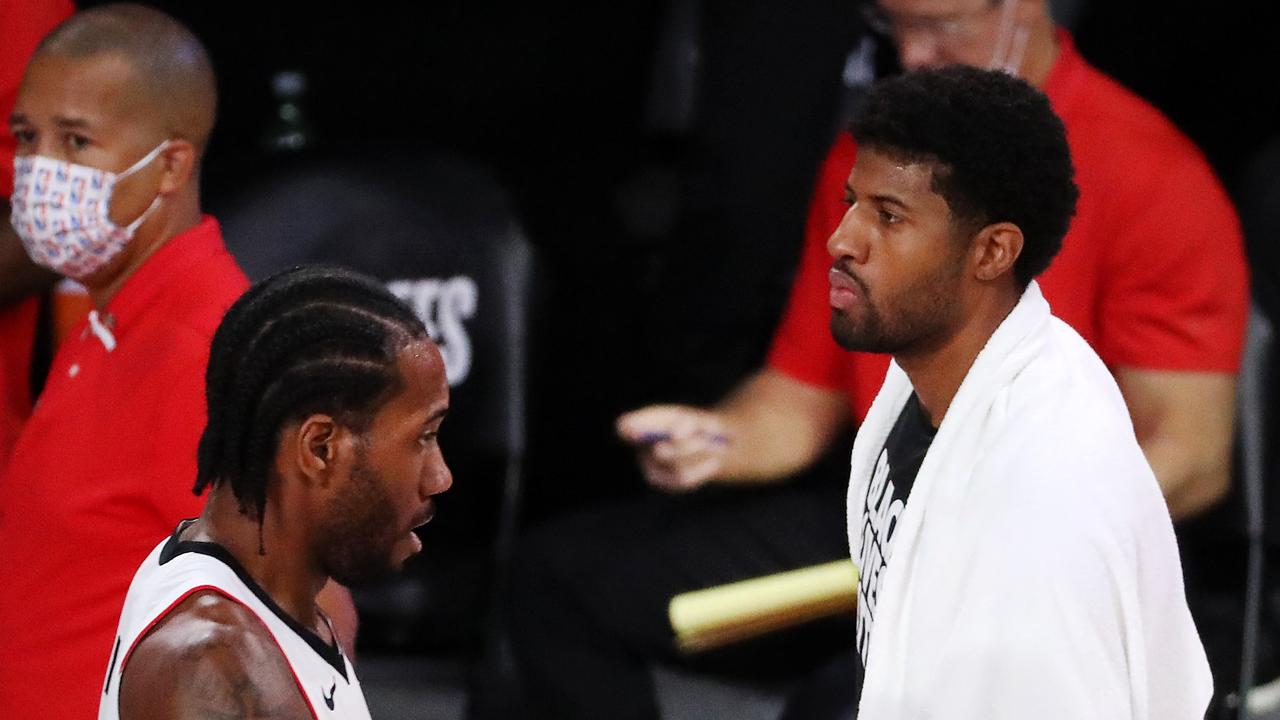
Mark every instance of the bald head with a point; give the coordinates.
(171, 82)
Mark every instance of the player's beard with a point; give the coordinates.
(361, 530)
(915, 318)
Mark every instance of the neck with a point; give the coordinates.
(1042, 52)
(284, 571)
(150, 237)
(936, 374)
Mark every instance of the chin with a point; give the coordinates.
(849, 338)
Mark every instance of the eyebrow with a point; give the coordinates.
(16, 118)
(70, 122)
(884, 199)
(891, 200)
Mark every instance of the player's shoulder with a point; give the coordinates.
(211, 654)
(1068, 427)
(209, 617)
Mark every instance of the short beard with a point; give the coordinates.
(869, 337)
(361, 530)
(918, 322)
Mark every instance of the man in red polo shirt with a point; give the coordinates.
(1151, 273)
(111, 122)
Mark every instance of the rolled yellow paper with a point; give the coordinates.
(722, 615)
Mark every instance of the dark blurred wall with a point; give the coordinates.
(1211, 67)
(660, 153)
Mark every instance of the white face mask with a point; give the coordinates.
(61, 212)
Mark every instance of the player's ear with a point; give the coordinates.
(995, 250)
(315, 445)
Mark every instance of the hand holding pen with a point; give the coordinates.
(679, 447)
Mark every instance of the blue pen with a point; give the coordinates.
(651, 438)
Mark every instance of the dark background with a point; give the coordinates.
(664, 194)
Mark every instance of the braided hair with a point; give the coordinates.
(309, 340)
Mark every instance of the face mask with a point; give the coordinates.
(60, 210)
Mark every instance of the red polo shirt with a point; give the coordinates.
(1152, 272)
(103, 468)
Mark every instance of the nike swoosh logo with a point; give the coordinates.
(328, 696)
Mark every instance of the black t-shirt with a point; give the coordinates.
(887, 493)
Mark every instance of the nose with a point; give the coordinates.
(436, 480)
(850, 238)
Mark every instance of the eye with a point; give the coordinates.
(889, 218)
(24, 136)
(428, 437)
(849, 199)
(76, 141)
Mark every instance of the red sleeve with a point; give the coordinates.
(1177, 294)
(802, 346)
(23, 23)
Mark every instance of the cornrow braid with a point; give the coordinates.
(313, 339)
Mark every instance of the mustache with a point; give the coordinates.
(844, 267)
(424, 516)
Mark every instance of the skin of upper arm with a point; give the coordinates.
(209, 659)
(1184, 422)
(783, 424)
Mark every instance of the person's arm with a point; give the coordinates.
(771, 427)
(1184, 422)
(1174, 304)
(210, 658)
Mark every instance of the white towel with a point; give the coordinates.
(1034, 571)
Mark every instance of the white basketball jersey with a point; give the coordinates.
(177, 569)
